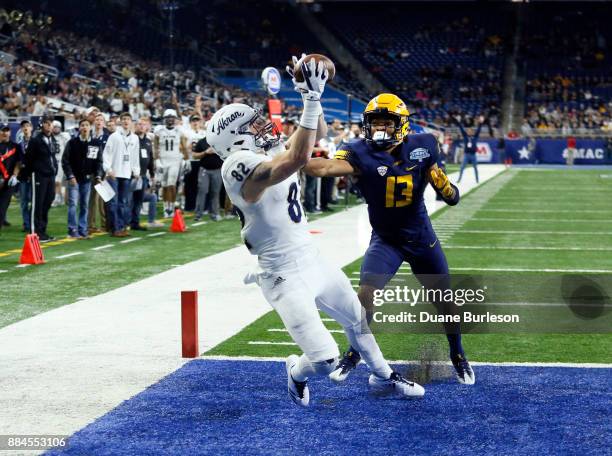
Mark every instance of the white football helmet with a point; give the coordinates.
(229, 130)
(170, 117)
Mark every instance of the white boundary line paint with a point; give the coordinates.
(3, 270)
(127, 241)
(199, 223)
(579, 271)
(22, 265)
(102, 247)
(264, 342)
(161, 233)
(283, 330)
(68, 255)
(85, 358)
(475, 363)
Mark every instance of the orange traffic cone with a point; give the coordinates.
(31, 252)
(178, 222)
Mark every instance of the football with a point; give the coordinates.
(299, 77)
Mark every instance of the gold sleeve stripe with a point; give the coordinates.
(341, 155)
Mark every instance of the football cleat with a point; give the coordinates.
(395, 384)
(349, 361)
(463, 371)
(298, 391)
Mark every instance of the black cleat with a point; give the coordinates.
(349, 361)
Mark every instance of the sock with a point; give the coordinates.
(454, 342)
(366, 345)
(302, 370)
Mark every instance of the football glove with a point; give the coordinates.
(440, 181)
(186, 166)
(13, 181)
(315, 77)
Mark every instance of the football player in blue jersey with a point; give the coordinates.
(393, 169)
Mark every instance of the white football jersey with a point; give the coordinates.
(169, 143)
(275, 227)
(192, 139)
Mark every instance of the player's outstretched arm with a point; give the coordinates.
(282, 166)
(443, 186)
(323, 167)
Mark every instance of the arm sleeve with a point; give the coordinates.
(66, 161)
(107, 155)
(237, 168)
(345, 152)
(433, 147)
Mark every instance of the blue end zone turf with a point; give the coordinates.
(234, 407)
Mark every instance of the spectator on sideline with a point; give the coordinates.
(82, 164)
(97, 208)
(25, 185)
(209, 180)
(470, 146)
(120, 163)
(193, 134)
(11, 157)
(61, 137)
(142, 191)
(571, 151)
(41, 163)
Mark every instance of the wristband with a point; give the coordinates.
(310, 114)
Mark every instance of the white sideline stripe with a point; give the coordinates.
(548, 211)
(263, 342)
(199, 223)
(283, 330)
(601, 233)
(102, 247)
(161, 233)
(474, 363)
(493, 219)
(68, 255)
(3, 270)
(526, 247)
(127, 241)
(328, 319)
(22, 265)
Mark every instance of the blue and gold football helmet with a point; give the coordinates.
(386, 106)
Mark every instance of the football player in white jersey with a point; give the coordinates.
(171, 157)
(260, 176)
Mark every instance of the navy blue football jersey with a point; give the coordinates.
(393, 185)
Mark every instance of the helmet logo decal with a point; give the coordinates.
(224, 122)
(382, 170)
(419, 154)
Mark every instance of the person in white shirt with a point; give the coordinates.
(193, 134)
(171, 158)
(121, 161)
(260, 177)
(62, 138)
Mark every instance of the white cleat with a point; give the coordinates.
(463, 371)
(395, 384)
(347, 363)
(298, 391)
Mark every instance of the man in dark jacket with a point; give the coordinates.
(82, 164)
(11, 157)
(41, 164)
(470, 146)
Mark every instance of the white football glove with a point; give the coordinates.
(315, 77)
(186, 166)
(158, 166)
(13, 181)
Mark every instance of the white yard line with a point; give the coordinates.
(161, 233)
(475, 363)
(545, 211)
(127, 241)
(102, 247)
(199, 223)
(527, 247)
(559, 270)
(68, 255)
(83, 359)
(264, 342)
(3, 270)
(539, 220)
(573, 233)
(22, 265)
